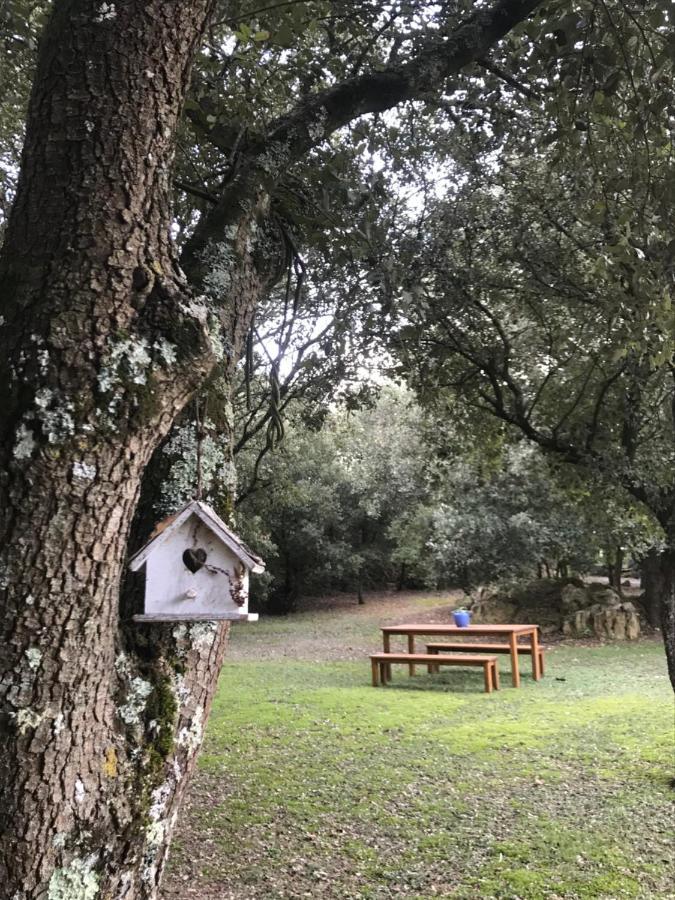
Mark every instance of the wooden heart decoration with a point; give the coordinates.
(194, 559)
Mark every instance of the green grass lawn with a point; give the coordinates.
(314, 784)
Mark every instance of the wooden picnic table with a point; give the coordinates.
(512, 632)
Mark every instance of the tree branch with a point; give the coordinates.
(508, 79)
(195, 191)
(322, 113)
(262, 161)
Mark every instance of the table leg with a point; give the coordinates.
(536, 659)
(513, 645)
(411, 649)
(495, 676)
(374, 669)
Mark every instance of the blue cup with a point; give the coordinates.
(462, 618)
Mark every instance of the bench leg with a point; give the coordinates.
(487, 676)
(433, 667)
(411, 649)
(541, 662)
(374, 666)
(385, 672)
(495, 676)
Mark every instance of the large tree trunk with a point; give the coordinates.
(662, 579)
(652, 593)
(101, 345)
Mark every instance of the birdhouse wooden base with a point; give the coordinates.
(194, 617)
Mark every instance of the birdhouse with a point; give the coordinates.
(196, 569)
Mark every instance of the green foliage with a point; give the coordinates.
(502, 526)
(486, 524)
(507, 237)
(539, 289)
(20, 25)
(326, 500)
(368, 501)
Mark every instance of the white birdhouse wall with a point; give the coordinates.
(171, 588)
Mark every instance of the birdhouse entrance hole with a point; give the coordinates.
(194, 559)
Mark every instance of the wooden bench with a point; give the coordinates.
(381, 665)
(462, 647)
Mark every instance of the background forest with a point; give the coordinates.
(382, 497)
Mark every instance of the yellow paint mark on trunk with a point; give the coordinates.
(110, 764)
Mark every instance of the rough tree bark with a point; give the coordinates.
(102, 343)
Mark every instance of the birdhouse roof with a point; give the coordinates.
(164, 529)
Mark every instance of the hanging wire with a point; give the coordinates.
(200, 431)
(275, 427)
(249, 362)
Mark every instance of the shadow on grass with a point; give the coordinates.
(460, 685)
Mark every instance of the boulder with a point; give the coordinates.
(577, 610)
(614, 622)
(493, 609)
(573, 598)
(537, 601)
(603, 594)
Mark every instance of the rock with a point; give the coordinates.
(615, 622)
(633, 622)
(573, 598)
(603, 594)
(578, 610)
(493, 609)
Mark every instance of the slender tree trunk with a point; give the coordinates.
(618, 570)
(614, 563)
(290, 592)
(609, 566)
(359, 578)
(101, 345)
